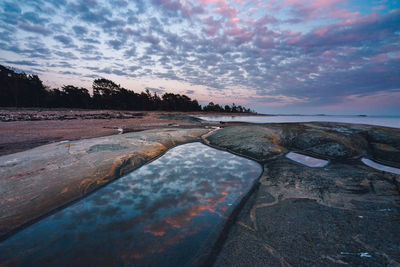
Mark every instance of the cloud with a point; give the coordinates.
(67, 41)
(281, 53)
(34, 18)
(23, 62)
(33, 28)
(11, 8)
(80, 30)
(115, 44)
(66, 55)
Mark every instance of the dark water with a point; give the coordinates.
(162, 214)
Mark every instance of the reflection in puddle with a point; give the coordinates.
(380, 167)
(159, 215)
(306, 160)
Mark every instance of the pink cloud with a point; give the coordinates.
(312, 3)
(357, 20)
(342, 13)
(206, 2)
(324, 3)
(321, 31)
(329, 53)
(226, 11)
(380, 58)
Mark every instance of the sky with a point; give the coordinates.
(280, 57)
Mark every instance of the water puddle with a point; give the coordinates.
(163, 214)
(380, 167)
(306, 160)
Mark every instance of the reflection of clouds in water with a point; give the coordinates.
(306, 160)
(165, 206)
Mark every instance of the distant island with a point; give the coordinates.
(24, 90)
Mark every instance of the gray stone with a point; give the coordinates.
(333, 145)
(306, 216)
(105, 147)
(257, 142)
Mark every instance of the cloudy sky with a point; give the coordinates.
(288, 56)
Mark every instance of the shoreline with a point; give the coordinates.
(23, 134)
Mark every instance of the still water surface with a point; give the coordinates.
(372, 120)
(162, 214)
(307, 160)
(379, 166)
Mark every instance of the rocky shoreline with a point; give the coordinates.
(343, 214)
(66, 115)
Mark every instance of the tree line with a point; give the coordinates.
(24, 90)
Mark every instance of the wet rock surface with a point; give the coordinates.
(37, 181)
(343, 214)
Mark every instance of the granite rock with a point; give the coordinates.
(260, 143)
(343, 214)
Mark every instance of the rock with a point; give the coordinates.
(345, 213)
(40, 180)
(385, 144)
(385, 152)
(301, 216)
(256, 142)
(330, 144)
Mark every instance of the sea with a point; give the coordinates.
(387, 121)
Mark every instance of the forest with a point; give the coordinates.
(26, 90)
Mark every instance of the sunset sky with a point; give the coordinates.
(289, 56)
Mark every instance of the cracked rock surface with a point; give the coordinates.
(343, 214)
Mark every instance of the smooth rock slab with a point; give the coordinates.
(37, 181)
(260, 143)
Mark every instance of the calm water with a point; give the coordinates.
(380, 121)
(380, 167)
(306, 160)
(162, 214)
